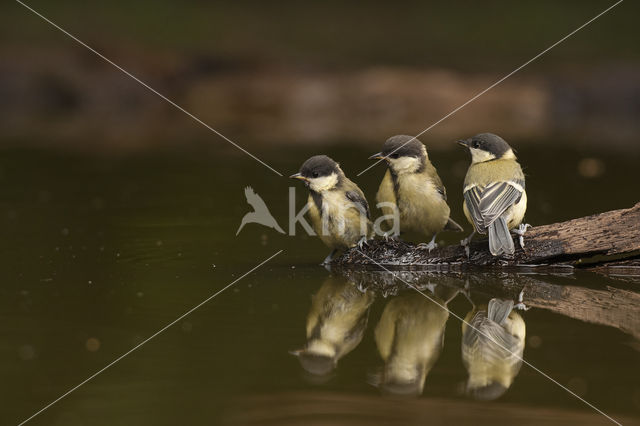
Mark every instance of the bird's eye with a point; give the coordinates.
(394, 155)
(315, 174)
(476, 144)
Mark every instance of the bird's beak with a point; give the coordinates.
(464, 142)
(299, 177)
(377, 156)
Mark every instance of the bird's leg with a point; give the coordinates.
(391, 236)
(362, 242)
(465, 243)
(520, 305)
(329, 258)
(520, 231)
(431, 245)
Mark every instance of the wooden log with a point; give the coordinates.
(586, 241)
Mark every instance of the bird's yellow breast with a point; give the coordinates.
(422, 207)
(338, 223)
(386, 196)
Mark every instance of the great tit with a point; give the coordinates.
(409, 337)
(412, 184)
(335, 325)
(338, 209)
(492, 348)
(494, 193)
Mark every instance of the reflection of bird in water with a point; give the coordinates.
(492, 349)
(409, 336)
(260, 214)
(335, 325)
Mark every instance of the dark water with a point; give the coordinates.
(99, 254)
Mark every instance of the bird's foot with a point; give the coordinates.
(466, 242)
(391, 236)
(520, 305)
(430, 245)
(362, 242)
(520, 231)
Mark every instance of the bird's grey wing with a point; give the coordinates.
(472, 197)
(434, 179)
(488, 340)
(496, 198)
(360, 202)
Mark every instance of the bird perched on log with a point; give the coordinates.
(494, 193)
(338, 209)
(335, 325)
(492, 347)
(412, 184)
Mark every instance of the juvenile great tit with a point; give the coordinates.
(409, 337)
(412, 184)
(494, 193)
(335, 325)
(492, 348)
(338, 209)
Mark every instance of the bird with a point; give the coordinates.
(335, 325)
(412, 185)
(409, 338)
(260, 213)
(495, 199)
(338, 208)
(492, 348)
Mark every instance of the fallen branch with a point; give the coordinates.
(587, 241)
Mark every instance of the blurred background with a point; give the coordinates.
(316, 74)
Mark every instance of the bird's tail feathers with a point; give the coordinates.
(500, 241)
(499, 310)
(452, 225)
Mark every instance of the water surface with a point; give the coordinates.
(99, 254)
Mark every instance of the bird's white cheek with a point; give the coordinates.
(480, 156)
(405, 164)
(323, 183)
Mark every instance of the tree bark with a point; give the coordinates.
(593, 240)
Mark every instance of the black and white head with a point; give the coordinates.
(320, 173)
(486, 147)
(404, 154)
